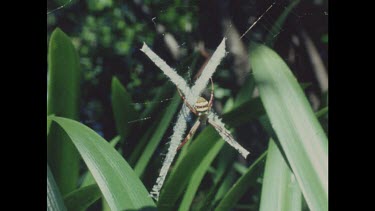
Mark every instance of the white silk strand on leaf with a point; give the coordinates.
(167, 70)
(191, 96)
(225, 134)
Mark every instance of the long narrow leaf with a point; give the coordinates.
(242, 184)
(88, 179)
(123, 109)
(54, 199)
(198, 175)
(298, 130)
(118, 183)
(62, 100)
(280, 190)
(82, 198)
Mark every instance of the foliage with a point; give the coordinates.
(102, 88)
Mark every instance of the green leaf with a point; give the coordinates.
(198, 175)
(88, 179)
(49, 122)
(242, 184)
(223, 178)
(162, 126)
(54, 199)
(293, 120)
(82, 198)
(277, 27)
(322, 112)
(280, 190)
(122, 107)
(118, 183)
(240, 168)
(62, 100)
(205, 144)
(221, 190)
(201, 147)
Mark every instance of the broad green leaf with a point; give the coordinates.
(54, 199)
(293, 120)
(280, 190)
(82, 198)
(62, 100)
(162, 126)
(88, 179)
(242, 184)
(199, 148)
(277, 27)
(118, 183)
(122, 107)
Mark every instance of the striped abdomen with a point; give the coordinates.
(201, 105)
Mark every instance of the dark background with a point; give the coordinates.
(108, 35)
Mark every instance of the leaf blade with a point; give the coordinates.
(298, 130)
(123, 111)
(62, 100)
(82, 198)
(280, 191)
(118, 183)
(54, 199)
(241, 185)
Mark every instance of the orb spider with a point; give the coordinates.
(202, 108)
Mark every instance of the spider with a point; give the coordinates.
(202, 108)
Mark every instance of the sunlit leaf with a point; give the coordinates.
(293, 120)
(118, 183)
(280, 190)
(54, 198)
(62, 100)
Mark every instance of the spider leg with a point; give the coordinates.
(187, 104)
(212, 95)
(190, 134)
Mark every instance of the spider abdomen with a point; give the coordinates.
(201, 105)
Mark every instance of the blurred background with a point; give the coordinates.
(108, 35)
